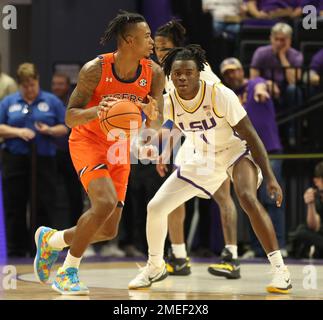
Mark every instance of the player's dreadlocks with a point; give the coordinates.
(119, 25)
(174, 31)
(190, 52)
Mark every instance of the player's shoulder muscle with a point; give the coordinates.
(88, 79)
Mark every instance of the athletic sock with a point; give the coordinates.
(71, 262)
(179, 251)
(276, 260)
(233, 249)
(57, 240)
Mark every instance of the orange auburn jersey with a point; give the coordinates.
(110, 85)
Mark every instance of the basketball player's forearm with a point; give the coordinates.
(77, 116)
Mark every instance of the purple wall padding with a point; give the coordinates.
(157, 13)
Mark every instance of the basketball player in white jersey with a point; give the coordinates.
(170, 35)
(226, 144)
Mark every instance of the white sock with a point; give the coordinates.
(179, 251)
(157, 260)
(57, 240)
(276, 260)
(170, 196)
(71, 262)
(233, 249)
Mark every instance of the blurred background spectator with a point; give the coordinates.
(277, 62)
(267, 12)
(7, 84)
(243, 29)
(227, 16)
(67, 176)
(29, 121)
(307, 239)
(316, 71)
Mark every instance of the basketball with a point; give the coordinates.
(123, 117)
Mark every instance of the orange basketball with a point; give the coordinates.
(121, 119)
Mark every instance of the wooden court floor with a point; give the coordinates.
(108, 281)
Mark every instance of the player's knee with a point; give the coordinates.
(109, 234)
(104, 206)
(247, 200)
(153, 207)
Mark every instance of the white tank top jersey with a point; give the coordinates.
(207, 75)
(208, 123)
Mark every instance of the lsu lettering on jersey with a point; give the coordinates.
(208, 122)
(187, 148)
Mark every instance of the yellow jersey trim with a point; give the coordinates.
(214, 103)
(197, 105)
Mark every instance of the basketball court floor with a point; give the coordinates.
(108, 281)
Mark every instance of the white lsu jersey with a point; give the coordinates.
(207, 124)
(188, 148)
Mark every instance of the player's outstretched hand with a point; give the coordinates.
(275, 192)
(150, 109)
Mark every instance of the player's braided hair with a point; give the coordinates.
(118, 26)
(174, 31)
(190, 52)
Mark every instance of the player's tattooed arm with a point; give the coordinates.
(156, 104)
(88, 79)
(248, 133)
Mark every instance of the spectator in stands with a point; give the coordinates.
(29, 121)
(7, 84)
(273, 9)
(227, 16)
(255, 98)
(311, 233)
(280, 63)
(316, 68)
(61, 88)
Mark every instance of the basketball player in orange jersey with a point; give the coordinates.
(126, 73)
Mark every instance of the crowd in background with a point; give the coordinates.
(41, 187)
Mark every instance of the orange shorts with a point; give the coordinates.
(92, 160)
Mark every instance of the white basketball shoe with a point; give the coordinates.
(148, 275)
(281, 282)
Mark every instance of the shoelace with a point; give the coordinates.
(276, 271)
(144, 270)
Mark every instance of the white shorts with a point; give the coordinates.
(208, 174)
(185, 152)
